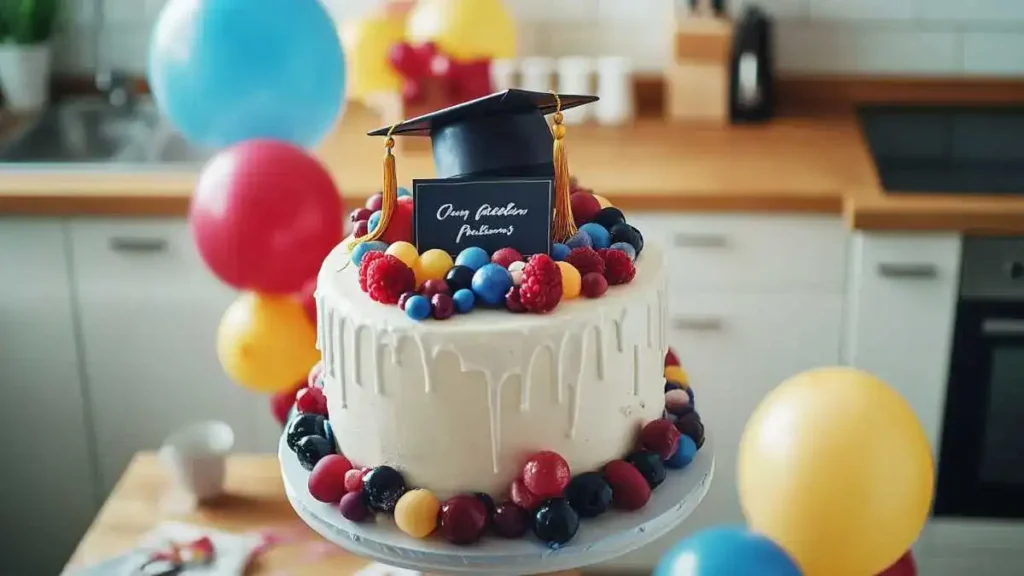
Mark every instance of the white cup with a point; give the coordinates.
(503, 74)
(615, 90)
(195, 456)
(576, 76)
(536, 72)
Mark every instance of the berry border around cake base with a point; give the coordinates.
(598, 540)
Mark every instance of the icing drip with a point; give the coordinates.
(320, 311)
(618, 330)
(427, 387)
(357, 372)
(598, 330)
(636, 370)
(563, 359)
(650, 326)
(331, 354)
(524, 397)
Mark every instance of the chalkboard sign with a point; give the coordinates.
(454, 214)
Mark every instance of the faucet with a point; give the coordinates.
(115, 87)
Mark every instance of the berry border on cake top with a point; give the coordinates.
(602, 254)
(547, 498)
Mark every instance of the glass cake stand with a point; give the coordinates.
(599, 539)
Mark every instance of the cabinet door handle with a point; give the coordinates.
(686, 240)
(697, 324)
(1002, 327)
(918, 270)
(137, 244)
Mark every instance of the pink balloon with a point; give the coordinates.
(264, 216)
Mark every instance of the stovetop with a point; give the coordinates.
(947, 149)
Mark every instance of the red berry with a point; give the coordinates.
(619, 268)
(513, 301)
(463, 519)
(360, 214)
(546, 474)
(505, 257)
(586, 260)
(671, 359)
(311, 401)
(281, 403)
(510, 521)
(327, 480)
(353, 508)
(584, 207)
(522, 496)
(594, 285)
(541, 289)
(374, 203)
(388, 278)
(361, 228)
(436, 286)
(630, 490)
(660, 437)
(400, 226)
(364, 266)
(354, 479)
(442, 307)
(405, 298)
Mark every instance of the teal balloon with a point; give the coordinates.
(226, 71)
(727, 551)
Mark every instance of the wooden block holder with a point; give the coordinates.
(697, 79)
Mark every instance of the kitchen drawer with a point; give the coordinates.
(153, 255)
(744, 253)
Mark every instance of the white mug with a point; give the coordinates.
(195, 456)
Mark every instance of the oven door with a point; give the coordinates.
(981, 461)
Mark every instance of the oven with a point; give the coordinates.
(981, 456)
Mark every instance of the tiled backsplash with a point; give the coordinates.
(927, 37)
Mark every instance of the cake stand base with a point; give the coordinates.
(598, 540)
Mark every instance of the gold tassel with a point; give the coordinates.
(563, 226)
(389, 195)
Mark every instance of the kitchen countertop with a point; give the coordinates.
(803, 164)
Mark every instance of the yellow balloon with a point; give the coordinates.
(464, 29)
(266, 343)
(835, 467)
(602, 201)
(367, 42)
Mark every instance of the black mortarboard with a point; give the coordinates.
(503, 134)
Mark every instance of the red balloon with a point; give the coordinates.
(905, 566)
(264, 216)
(281, 402)
(412, 92)
(443, 67)
(409, 61)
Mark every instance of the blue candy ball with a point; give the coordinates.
(689, 392)
(329, 433)
(361, 249)
(625, 247)
(580, 240)
(599, 236)
(560, 252)
(373, 222)
(473, 258)
(464, 300)
(683, 455)
(491, 283)
(228, 71)
(417, 307)
(403, 191)
(726, 551)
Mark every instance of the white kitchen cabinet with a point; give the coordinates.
(48, 490)
(149, 313)
(900, 314)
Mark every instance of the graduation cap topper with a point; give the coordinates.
(500, 135)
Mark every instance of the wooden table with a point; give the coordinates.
(255, 502)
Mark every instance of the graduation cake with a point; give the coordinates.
(493, 336)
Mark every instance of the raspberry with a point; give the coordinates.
(354, 479)
(513, 302)
(387, 278)
(364, 266)
(586, 260)
(630, 490)
(660, 437)
(541, 289)
(619, 268)
(506, 256)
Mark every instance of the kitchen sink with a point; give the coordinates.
(90, 131)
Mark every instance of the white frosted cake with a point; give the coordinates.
(459, 405)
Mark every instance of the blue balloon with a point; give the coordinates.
(226, 71)
(727, 551)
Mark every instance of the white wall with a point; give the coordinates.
(928, 37)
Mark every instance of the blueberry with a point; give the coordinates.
(640, 241)
(609, 217)
(580, 240)
(417, 307)
(669, 386)
(382, 487)
(488, 503)
(589, 494)
(689, 392)
(304, 425)
(559, 252)
(650, 466)
(555, 522)
(464, 300)
(374, 221)
(626, 248)
(329, 433)
(599, 236)
(459, 277)
(361, 249)
(311, 449)
(627, 234)
(403, 191)
(690, 425)
(683, 455)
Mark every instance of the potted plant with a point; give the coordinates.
(26, 29)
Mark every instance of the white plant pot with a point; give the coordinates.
(25, 76)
